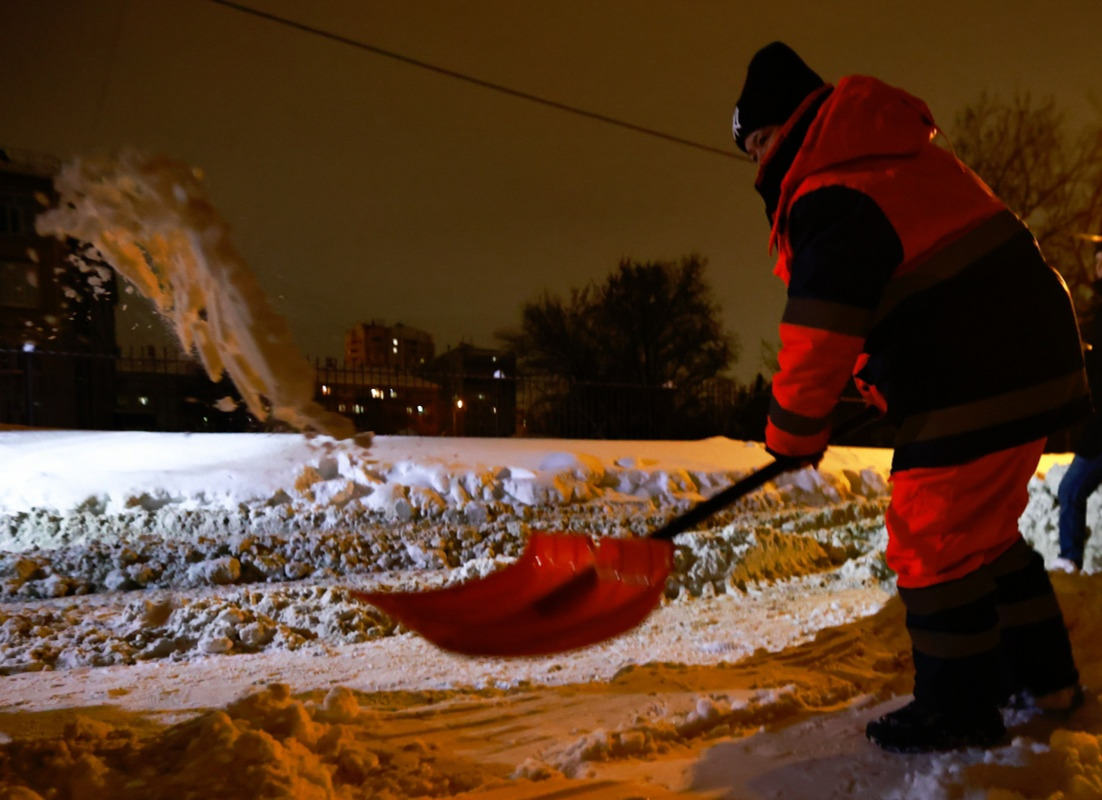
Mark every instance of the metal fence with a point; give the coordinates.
(142, 390)
(163, 391)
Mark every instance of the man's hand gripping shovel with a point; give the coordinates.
(566, 590)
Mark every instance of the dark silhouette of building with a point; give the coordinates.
(479, 386)
(381, 400)
(54, 295)
(161, 390)
(400, 347)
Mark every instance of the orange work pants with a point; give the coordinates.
(946, 522)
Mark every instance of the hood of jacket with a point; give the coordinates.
(863, 119)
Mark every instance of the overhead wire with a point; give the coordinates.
(491, 85)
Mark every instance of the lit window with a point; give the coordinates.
(325, 390)
(143, 401)
(376, 394)
(420, 409)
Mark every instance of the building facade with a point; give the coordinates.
(398, 347)
(479, 386)
(54, 296)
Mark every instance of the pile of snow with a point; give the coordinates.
(265, 745)
(233, 510)
(180, 606)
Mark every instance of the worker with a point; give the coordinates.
(905, 273)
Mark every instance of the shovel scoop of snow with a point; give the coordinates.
(566, 591)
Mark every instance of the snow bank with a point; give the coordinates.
(143, 572)
(89, 514)
(63, 487)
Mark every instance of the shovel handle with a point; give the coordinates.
(717, 502)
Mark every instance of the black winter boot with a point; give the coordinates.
(954, 631)
(915, 729)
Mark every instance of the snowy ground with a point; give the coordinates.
(175, 621)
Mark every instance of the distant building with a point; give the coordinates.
(480, 387)
(54, 296)
(46, 300)
(400, 347)
(165, 391)
(382, 400)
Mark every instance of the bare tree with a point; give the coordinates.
(1047, 173)
(649, 324)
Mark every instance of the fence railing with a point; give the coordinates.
(163, 391)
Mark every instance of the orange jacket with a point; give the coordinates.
(902, 266)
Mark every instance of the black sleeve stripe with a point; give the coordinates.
(793, 423)
(828, 316)
(844, 248)
(950, 260)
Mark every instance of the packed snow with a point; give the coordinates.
(177, 622)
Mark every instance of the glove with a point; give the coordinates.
(792, 463)
(799, 450)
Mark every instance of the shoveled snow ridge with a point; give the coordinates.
(121, 627)
(272, 570)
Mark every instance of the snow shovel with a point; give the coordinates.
(566, 591)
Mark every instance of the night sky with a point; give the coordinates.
(360, 187)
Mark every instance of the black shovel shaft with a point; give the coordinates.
(717, 502)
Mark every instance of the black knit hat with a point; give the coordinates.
(777, 81)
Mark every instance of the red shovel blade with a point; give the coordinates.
(564, 592)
